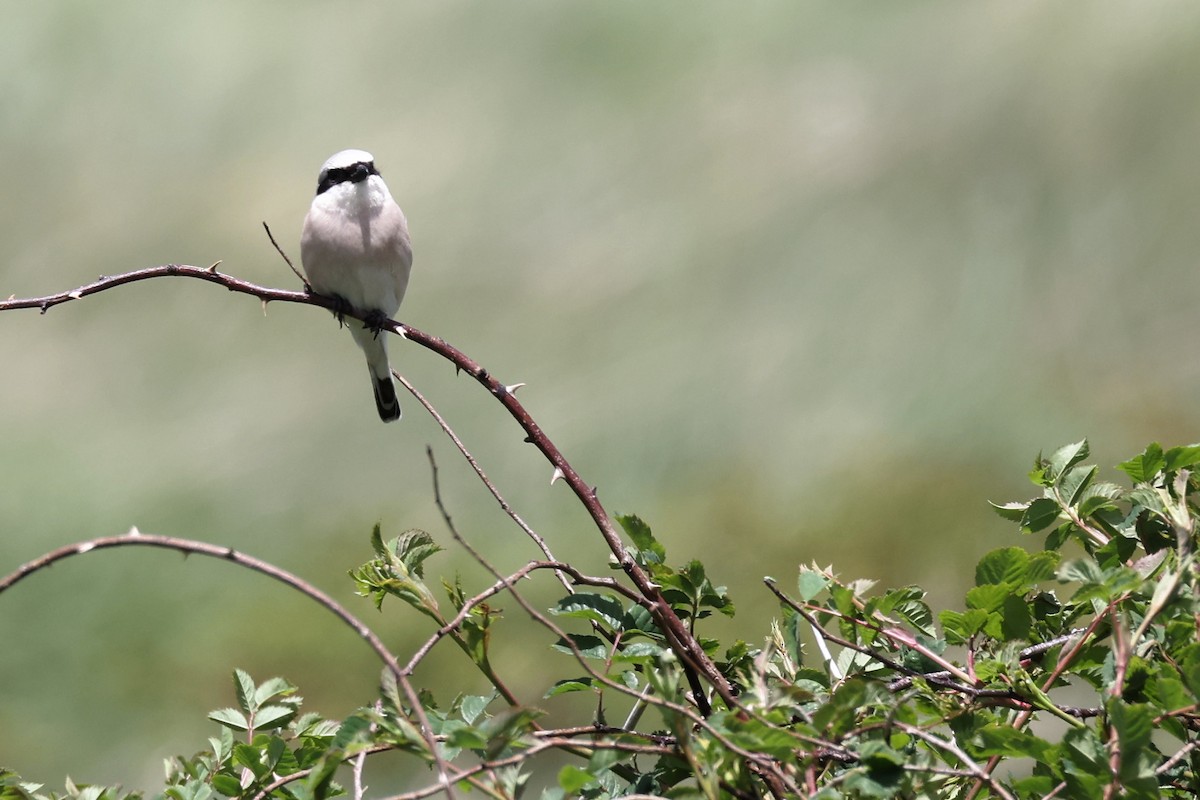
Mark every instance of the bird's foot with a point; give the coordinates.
(374, 321)
(341, 307)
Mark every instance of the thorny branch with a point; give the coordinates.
(679, 637)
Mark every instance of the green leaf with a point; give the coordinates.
(473, 705)
(1134, 724)
(1004, 740)
(1075, 481)
(464, 737)
(589, 646)
(989, 597)
(1099, 496)
(1042, 567)
(639, 653)
(1015, 620)
(639, 533)
(243, 688)
(1145, 466)
(1178, 458)
(811, 584)
(601, 608)
(272, 687)
(227, 785)
(570, 685)
(1064, 458)
(269, 717)
(1004, 566)
(231, 718)
(572, 779)
(1040, 514)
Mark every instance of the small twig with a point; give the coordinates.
(487, 482)
(288, 261)
(507, 582)
(949, 746)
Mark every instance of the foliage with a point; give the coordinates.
(1070, 671)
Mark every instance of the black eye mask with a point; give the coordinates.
(355, 173)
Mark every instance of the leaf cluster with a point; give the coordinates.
(1072, 668)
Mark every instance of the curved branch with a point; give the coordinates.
(188, 546)
(681, 640)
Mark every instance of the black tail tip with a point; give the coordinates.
(385, 400)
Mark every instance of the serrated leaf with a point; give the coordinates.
(810, 584)
(1134, 724)
(1006, 565)
(230, 717)
(473, 705)
(1064, 458)
(1099, 496)
(589, 646)
(1004, 740)
(643, 539)
(272, 687)
(1014, 511)
(639, 620)
(1040, 514)
(1075, 481)
(1082, 570)
(227, 785)
(602, 608)
(272, 716)
(1185, 457)
(243, 689)
(353, 729)
(1041, 567)
(1141, 468)
(639, 653)
(988, 597)
(1015, 620)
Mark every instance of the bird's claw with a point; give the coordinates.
(374, 322)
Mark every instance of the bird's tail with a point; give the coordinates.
(375, 347)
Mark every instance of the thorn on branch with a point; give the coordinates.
(558, 473)
(213, 266)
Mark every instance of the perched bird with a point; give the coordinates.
(355, 248)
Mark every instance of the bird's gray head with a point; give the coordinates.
(353, 166)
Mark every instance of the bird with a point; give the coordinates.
(355, 248)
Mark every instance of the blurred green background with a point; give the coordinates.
(794, 282)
